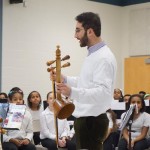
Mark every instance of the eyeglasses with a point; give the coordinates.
(78, 30)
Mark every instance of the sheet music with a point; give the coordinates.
(116, 105)
(147, 102)
(14, 117)
(127, 117)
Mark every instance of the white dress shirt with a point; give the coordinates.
(48, 125)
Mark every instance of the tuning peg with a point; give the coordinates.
(65, 65)
(50, 69)
(65, 58)
(50, 62)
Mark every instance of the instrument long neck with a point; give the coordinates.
(53, 90)
(58, 70)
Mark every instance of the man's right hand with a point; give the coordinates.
(53, 76)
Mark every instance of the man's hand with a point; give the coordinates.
(53, 76)
(63, 89)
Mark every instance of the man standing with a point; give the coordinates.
(92, 90)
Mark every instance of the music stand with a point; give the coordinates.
(127, 121)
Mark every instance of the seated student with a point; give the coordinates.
(118, 95)
(139, 127)
(19, 139)
(142, 93)
(126, 98)
(147, 96)
(148, 139)
(48, 134)
(3, 95)
(71, 136)
(112, 137)
(35, 107)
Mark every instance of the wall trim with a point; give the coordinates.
(121, 2)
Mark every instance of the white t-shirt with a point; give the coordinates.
(36, 114)
(141, 121)
(36, 118)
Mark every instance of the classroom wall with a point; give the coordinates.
(135, 33)
(31, 34)
(32, 31)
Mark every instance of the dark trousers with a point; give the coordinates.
(91, 132)
(140, 145)
(111, 142)
(36, 138)
(51, 144)
(148, 142)
(12, 146)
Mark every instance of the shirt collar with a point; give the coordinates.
(47, 111)
(95, 47)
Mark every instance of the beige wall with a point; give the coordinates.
(134, 42)
(31, 33)
(30, 36)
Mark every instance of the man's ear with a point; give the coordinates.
(90, 31)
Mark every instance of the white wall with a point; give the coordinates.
(135, 23)
(31, 33)
(30, 36)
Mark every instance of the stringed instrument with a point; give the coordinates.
(63, 108)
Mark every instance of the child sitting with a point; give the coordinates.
(48, 133)
(35, 107)
(139, 128)
(19, 139)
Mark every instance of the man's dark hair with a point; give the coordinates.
(90, 20)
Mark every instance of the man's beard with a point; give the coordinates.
(84, 40)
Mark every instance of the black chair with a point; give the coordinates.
(45, 104)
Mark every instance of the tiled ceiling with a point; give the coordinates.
(121, 2)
